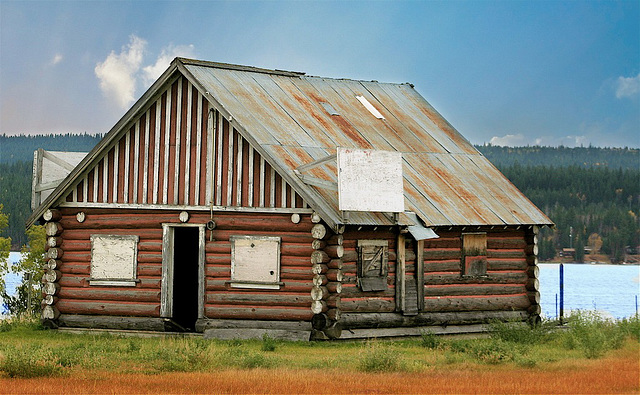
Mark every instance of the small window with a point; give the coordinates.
(474, 254)
(373, 264)
(255, 262)
(114, 260)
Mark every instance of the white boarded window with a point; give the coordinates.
(114, 260)
(255, 262)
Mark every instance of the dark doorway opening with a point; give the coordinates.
(185, 276)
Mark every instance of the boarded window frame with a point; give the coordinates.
(114, 269)
(370, 252)
(474, 254)
(267, 246)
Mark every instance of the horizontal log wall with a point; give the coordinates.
(75, 295)
(504, 287)
(292, 301)
(510, 284)
(353, 299)
(178, 152)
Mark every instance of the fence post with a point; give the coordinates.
(561, 294)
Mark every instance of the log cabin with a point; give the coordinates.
(235, 201)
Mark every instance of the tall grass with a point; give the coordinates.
(27, 351)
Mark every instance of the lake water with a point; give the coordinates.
(11, 280)
(611, 289)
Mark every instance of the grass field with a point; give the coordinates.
(592, 356)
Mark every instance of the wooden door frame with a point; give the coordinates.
(166, 293)
(401, 300)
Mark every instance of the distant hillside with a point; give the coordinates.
(20, 148)
(586, 157)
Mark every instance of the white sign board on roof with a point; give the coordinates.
(370, 180)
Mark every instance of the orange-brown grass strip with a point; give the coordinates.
(616, 374)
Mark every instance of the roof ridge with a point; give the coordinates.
(286, 73)
(230, 66)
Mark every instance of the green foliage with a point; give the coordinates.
(181, 355)
(591, 200)
(5, 248)
(520, 332)
(30, 361)
(630, 326)
(21, 147)
(377, 357)
(430, 340)
(15, 192)
(20, 323)
(240, 357)
(592, 334)
(31, 266)
(268, 343)
(584, 157)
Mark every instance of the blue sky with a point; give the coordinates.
(505, 72)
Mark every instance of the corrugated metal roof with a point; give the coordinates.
(446, 180)
(290, 119)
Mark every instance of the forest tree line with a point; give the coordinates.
(591, 194)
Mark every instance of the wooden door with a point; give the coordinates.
(409, 283)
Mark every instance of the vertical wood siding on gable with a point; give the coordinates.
(182, 152)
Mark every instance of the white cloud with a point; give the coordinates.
(120, 74)
(57, 58)
(152, 72)
(627, 86)
(117, 73)
(509, 140)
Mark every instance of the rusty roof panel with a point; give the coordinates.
(446, 180)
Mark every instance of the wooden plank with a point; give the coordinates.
(255, 333)
(177, 169)
(166, 300)
(167, 145)
(400, 273)
(218, 160)
(187, 159)
(239, 161)
(230, 166)
(110, 322)
(198, 172)
(105, 179)
(95, 185)
(201, 269)
(127, 165)
(156, 152)
(251, 177)
(210, 157)
(272, 189)
(420, 273)
(85, 188)
(262, 186)
(145, 173)
(116, 152)
(136, 161)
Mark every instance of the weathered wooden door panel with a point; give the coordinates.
(409, 286)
